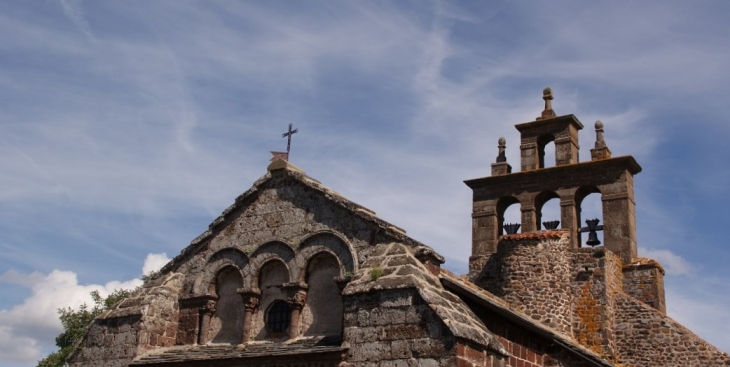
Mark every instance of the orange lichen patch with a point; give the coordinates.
(540, 235)
(589, 310)
(639, 262)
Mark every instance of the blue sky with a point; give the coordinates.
(128, 126)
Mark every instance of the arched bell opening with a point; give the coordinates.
(547, 210)
(546, 151)
(589, 206)
(509, 215)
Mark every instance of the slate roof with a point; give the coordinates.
(220, 353)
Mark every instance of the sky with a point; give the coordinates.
(127, 127)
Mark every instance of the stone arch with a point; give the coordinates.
(542, 141)
(324, 242)
(206, 281)
(540, 200)
(322, 313)
(502, 204)
(226, 323)
(580, 195)
(271, 250)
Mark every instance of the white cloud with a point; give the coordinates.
(16, 349)
(29, 329)
(154, 262)
(673, 264)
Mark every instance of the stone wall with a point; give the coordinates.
(596, 278)
(644, 280)
(108, 343)
(396, 328)
(646, 337)
(534, 276)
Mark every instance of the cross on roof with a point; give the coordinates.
(288, 135)
(285, 155)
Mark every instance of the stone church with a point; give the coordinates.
(294, 274)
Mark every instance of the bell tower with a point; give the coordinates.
(569, 180)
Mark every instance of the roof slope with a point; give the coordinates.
(395, 266)
(221, 353)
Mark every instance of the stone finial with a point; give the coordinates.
(600, 143)
(547, 95)
(501, 167)
(501, 157)
(600, 151)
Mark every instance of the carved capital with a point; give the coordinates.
(200, 302)
(296, 294)
(250, 298)
(208, 307)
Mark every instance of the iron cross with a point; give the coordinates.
(288, 135)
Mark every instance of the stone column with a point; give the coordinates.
(529, 160)
(206, 313)
(619, 228)
(568, 214)
(528, 217)
(619, 217)
(296, 298)
(250, 300)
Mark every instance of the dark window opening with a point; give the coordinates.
(278, 316)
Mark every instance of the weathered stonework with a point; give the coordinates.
(643, 279)
(534, 276)
(294, 274)
(646, 337)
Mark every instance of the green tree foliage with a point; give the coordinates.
(75, 324)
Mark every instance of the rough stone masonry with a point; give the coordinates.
(294, 274)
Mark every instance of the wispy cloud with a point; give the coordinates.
(139, 138)
(673, 264)
(74, 11)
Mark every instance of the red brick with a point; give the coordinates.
(460, 362)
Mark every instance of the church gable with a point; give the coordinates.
(270, 269)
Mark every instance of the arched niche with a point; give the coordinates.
(271, 278)
(226, 324)
(322, 313)
(324, 242)
(272, 250)
(205, 282)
